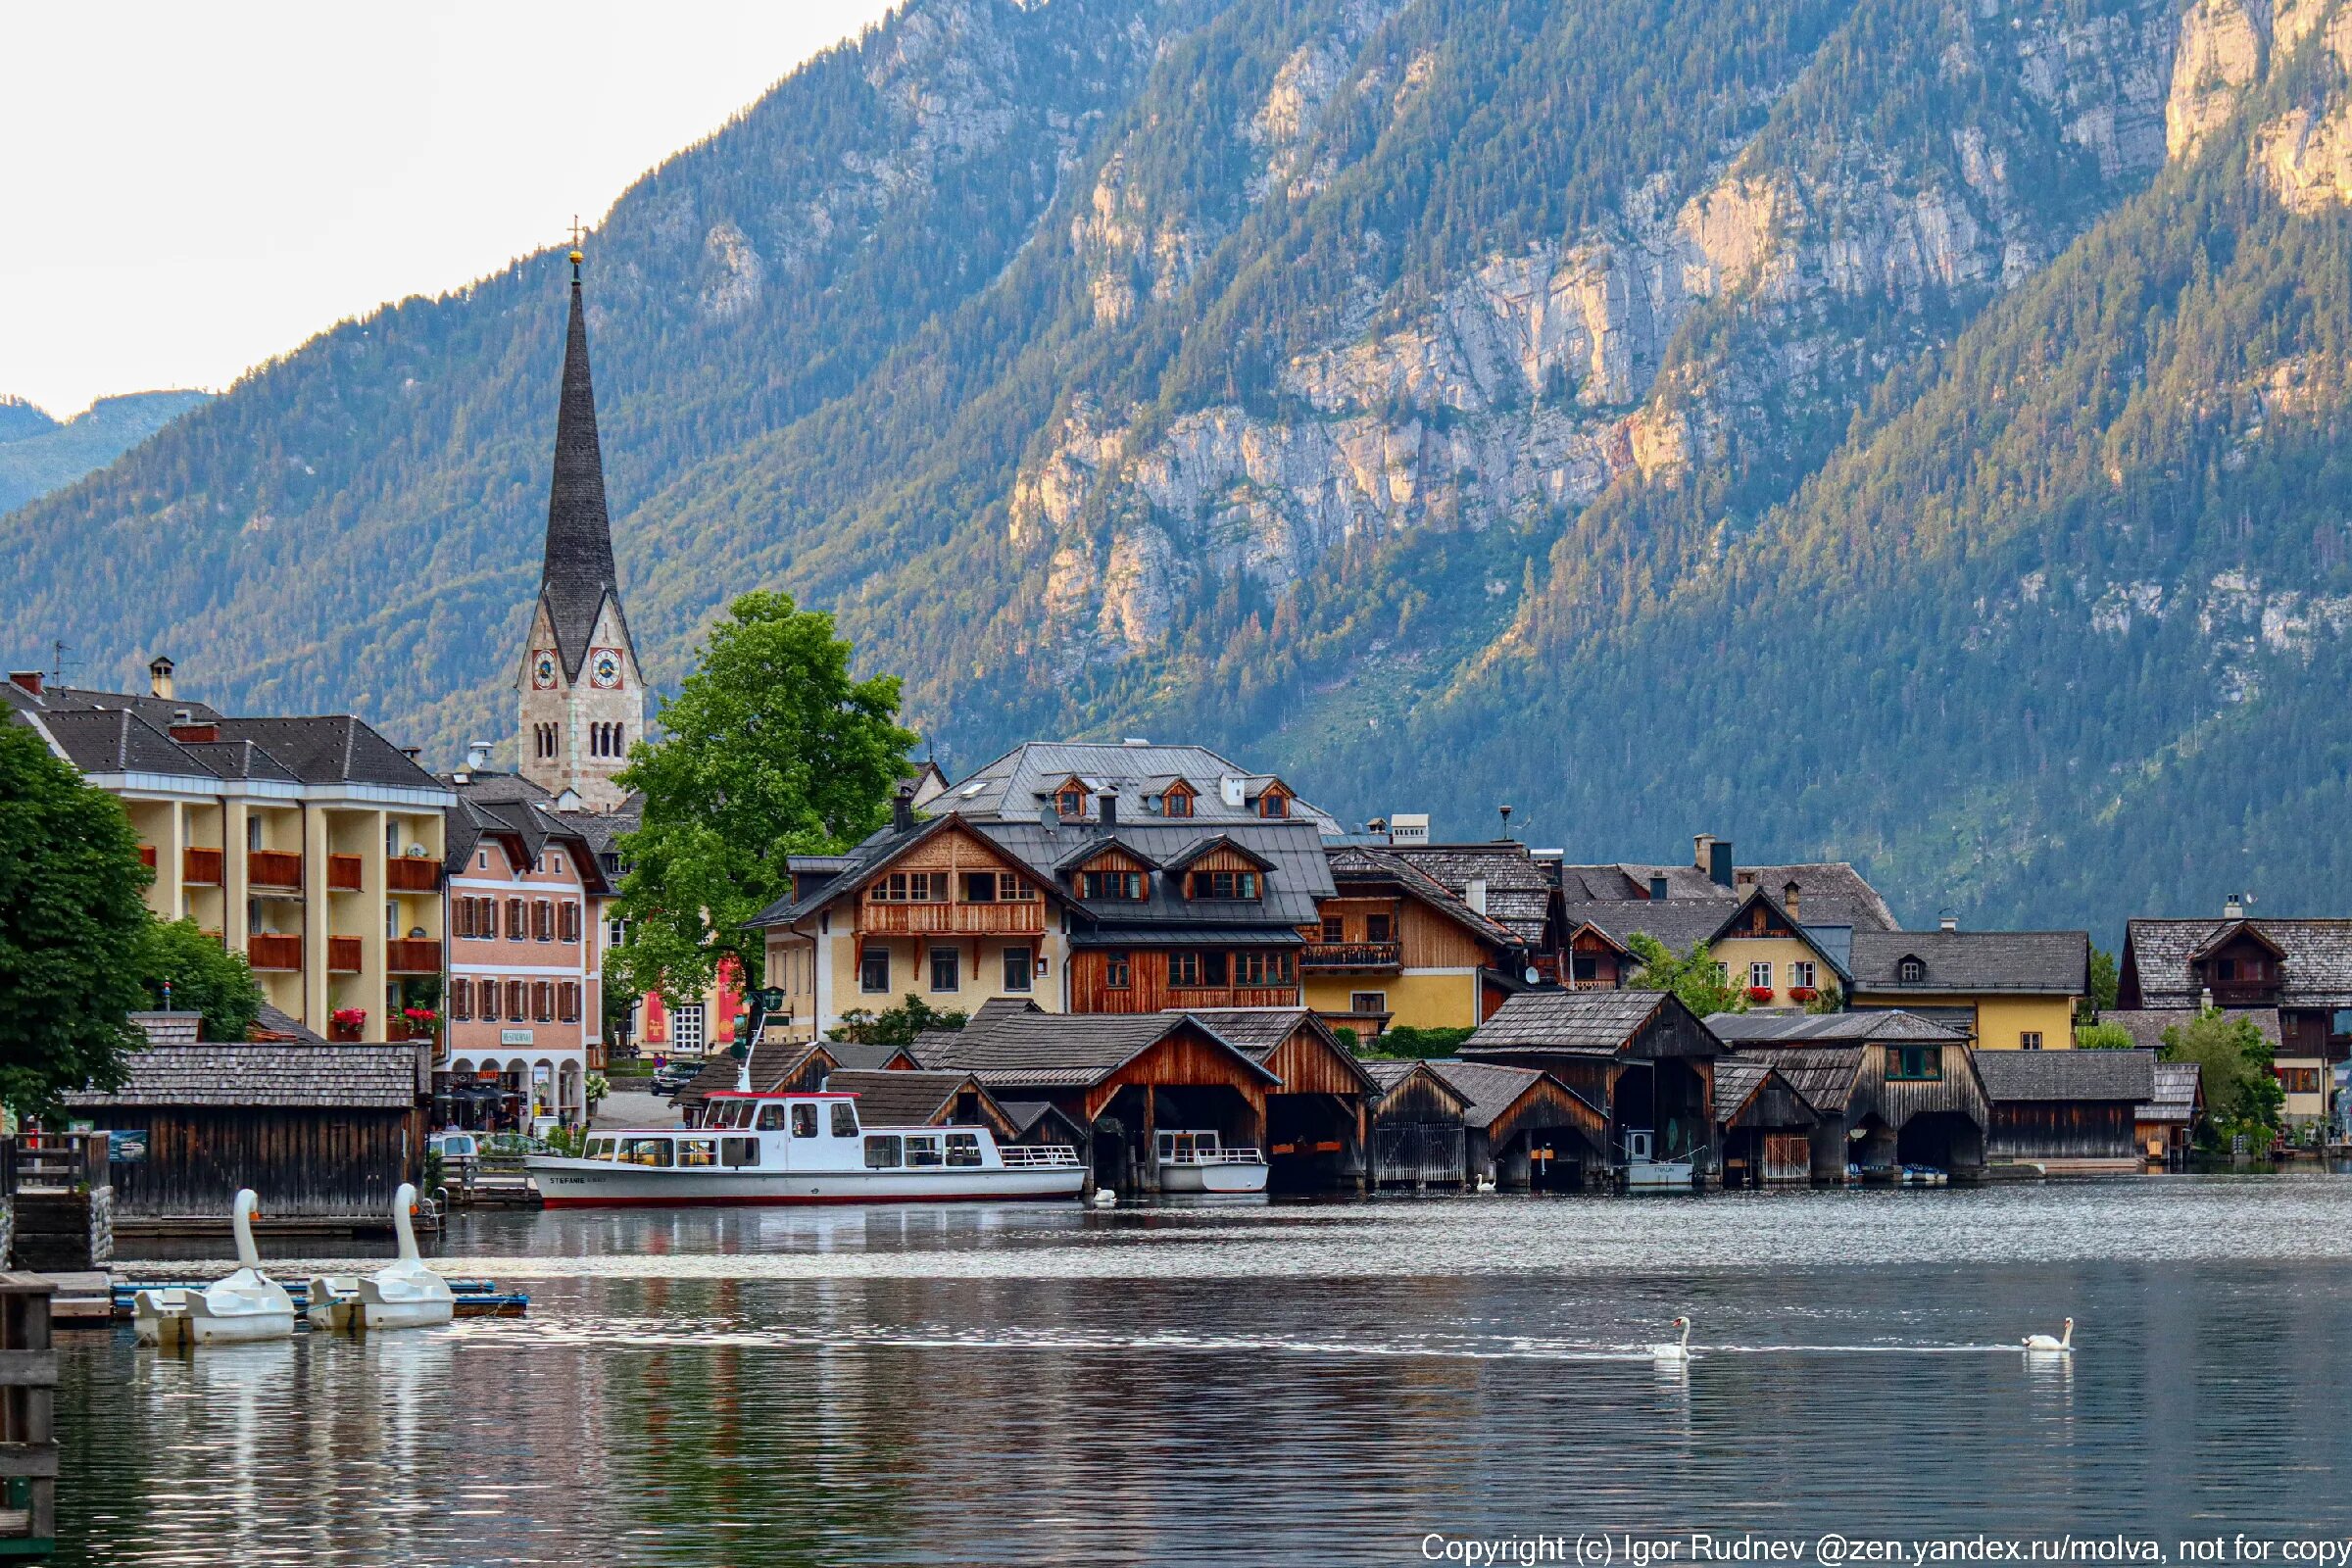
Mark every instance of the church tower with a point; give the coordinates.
(580, 696)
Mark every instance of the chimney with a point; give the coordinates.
(1134, 740)
(159, 676)
(1474, 894)
(2234, 907)
(1719, 857)
(26, 680)
(901, 807)
(185, 729)
(2205, 1000)
(477, 756)
(1107, 806)
(1789, 900)
(412, 752)
(1657, 886)
(1701, 843)
(1947, 922)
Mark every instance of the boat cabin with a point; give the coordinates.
(801, 1132)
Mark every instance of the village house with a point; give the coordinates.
(1886, 1090)
(2300, 968)
(2004, 990)
(312, 846)
(1503, 881)
(1639, 1056)
(2073, 1113)
(1394, 946)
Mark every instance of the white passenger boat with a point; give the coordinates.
(1197, 1162)
(800, 1148)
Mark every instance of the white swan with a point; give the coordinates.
(246, 1306)
(405, 1295)
(1675, 1349)
(2043, 1344)
(1106, 1197)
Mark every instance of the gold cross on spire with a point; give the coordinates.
(576, 232)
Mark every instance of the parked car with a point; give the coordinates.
(457, 1151)
(676, 1075)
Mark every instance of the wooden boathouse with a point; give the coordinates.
(1319, 1117)
(1523, 1128)
(1763, 1126)
(1889, 1089)
(1419, 1134)
(922, 1099)
(1641, 1056)
(323, 1133)
(2068, 1112)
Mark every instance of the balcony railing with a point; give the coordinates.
(1022, 917)
(147, 855)
(201, 866)
(412, 955)
(411, 874)
(343, 872)
(266, 949)
(343, 955)
(1352, 955)
(274, 868)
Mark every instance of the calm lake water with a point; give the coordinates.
(1318, 1383)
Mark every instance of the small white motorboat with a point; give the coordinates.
(1197, 1162)
(405, 1295)
(1645, 1174)
(246, 1306)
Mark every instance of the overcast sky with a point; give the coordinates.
(188, 190)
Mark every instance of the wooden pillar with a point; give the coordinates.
(1147, 1178)
(1363, 1144)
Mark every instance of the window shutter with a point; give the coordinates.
(516, 1002)
(515, 919)
(460, 1000)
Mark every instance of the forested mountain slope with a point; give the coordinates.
(39, 454)
(1889, 429)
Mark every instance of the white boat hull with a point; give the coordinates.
(604, 1184)
(1236, 1177)
(1658, 1176)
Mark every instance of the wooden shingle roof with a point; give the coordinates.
(233, 1076)
(2044, 1075)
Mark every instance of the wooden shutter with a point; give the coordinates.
(567, 1000)
(460, 1000)
(515, 921)
(543, 1001)
(543, 921)
(518, 1000)
(568, 918)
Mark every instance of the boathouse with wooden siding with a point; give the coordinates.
(922, 1099)
(1419, 1127)
(322, 1133)
(2166, 1127)
(2068, 1112)
(1641, 1056)
(1524, 1128)
(1121, 1076)
(1040, 1121)
(1891, 1089)
(1763, 1125)
(1319, 1117)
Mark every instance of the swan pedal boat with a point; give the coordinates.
(402, 1295)
(246, 1306)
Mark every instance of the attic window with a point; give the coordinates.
(1110, 885)
(1178, 802)
(1070, 803)
(1274, 803)
(1225, 885)
(1911, 972)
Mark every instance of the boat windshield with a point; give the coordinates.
(599, 1148)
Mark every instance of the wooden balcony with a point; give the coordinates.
(411, 874)
(412, 955)
(1233, 996)
(1337, 957)
(274, 868)
(266, 950)
(343, 955)
(343, 872)
(202, 867)
(147, 855)
(1026, 919)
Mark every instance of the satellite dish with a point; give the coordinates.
(1535, 976)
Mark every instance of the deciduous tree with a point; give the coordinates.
(1696, 977)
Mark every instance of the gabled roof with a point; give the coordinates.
(1739, 1080)
(850, 872)
(1838, 953)
(277, 1075)
(1595, 1021)
(1258, 1032)
(1679, 924)
(2179, 1088)
(2030, 962)
(1062, 1050)
(903, 1097)
(1018, 784)
(2317, 967)
(1105, 844)
(522, 824)
(1357, 863)
(859, 1057)
(120, 736)
(119, 741)
(1029, 1116)
(1182, 859)
(1830, 892)
(1490, 1090)
(771, 1065)
(1745, 1029)
(1519, 887)
(1392, 1076)
(2046, 1075)
(1823, 1076)
(2230, 932)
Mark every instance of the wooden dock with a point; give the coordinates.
(27, 1438)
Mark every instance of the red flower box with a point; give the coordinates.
(1802, 993)
(1759, 993)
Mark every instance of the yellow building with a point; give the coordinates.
(312, 846)
(1775, 960)
(2009, 990)
(1395, 947)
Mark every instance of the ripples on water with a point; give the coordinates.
(1249, 1385)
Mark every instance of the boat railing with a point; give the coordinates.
(1230, 1155)
(1023, 1156)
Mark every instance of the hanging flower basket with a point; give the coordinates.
(1759, 993)
(424, 1023)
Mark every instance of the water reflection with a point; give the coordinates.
(1048, 1385)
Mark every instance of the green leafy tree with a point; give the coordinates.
(2103, 1037)
(1403, 1039)
(770, 749)
(896, 1026)
(2233, 1062)
(74, 923)
(1696, 977)
(203, 975)
(1828, 999)
(2105, 983)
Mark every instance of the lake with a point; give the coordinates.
(1293, 1383)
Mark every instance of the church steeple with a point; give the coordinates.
(580, 696)
(577, 571)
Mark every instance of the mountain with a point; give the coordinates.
(38, 455)
(1896, 430)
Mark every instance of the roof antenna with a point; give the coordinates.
(57, 662)
(1506, 821)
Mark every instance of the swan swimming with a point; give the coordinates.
(1675, 1349)
(2064, 1345)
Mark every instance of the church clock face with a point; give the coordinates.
(604, 668)
(543, 671)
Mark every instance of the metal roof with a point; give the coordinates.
(1017, 785)
(2034, 962)
(1862, 1028)
(2042, 1075)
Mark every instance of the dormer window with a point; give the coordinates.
(1070, 801)
(1225, 885)
(1110, 885)
(1275, 802)
(1911, 972)
(1178, 802)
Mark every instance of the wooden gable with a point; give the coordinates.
(1274, 800)
(1312, 1062)
(1177, 799)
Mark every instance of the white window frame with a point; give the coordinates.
(1759, 975)
(1801, 974)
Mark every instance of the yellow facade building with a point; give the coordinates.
(2009, 990)
(1394, 947)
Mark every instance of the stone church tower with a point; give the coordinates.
(580, 696)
